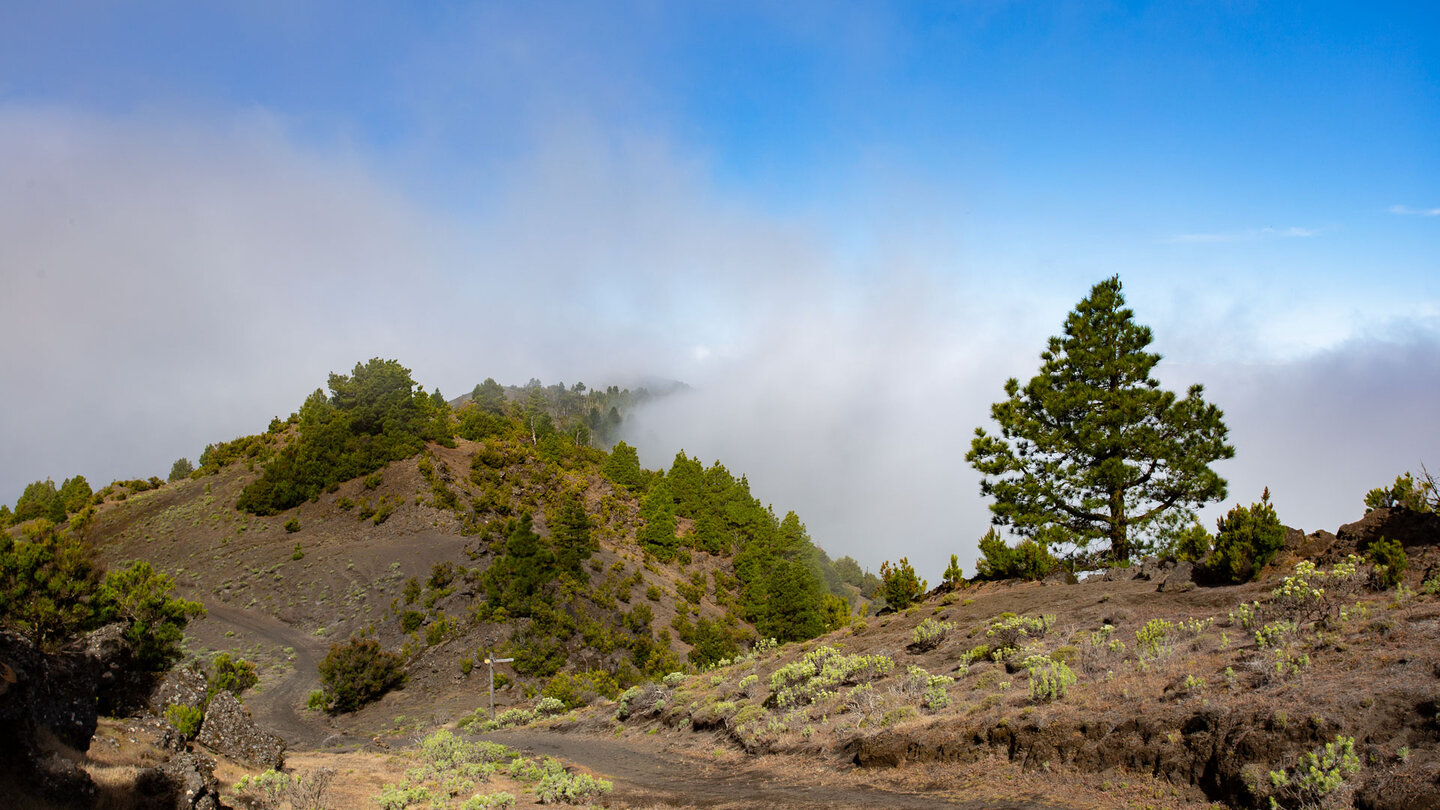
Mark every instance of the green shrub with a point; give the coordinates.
(492, 801)
(411, 620)
(291, 526)
(358, 672)
(298, 553)
(1029, 559)
(1049, 679)
(265, 791)
(557, 786)
(1155, 639)
(181, 469)
(1390, 562)
(1009, 630)
(185, 719)
(899, 584)
(1316, 776)
(1422, 495)
(233, 675)
(929, 634)
(1246, 540)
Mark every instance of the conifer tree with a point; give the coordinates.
(572, 535)
(623, 467)
(657, 509)
(1092, 446)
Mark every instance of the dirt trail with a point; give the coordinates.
(277, 707)
(645, 773)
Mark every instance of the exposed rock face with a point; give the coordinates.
(60, 693)
(181, 686)
(229, 730)
(1180, 578)
(1412, 529)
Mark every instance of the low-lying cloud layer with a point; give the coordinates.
(167, 284)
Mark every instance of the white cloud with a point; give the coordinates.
(1250, 235)
(1405, 210)
(168, 284)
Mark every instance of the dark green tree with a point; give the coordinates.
(572, 535)
(181, 469)
(518, 576)
(954, 577)
(357, 672)
(1092, 444)
(657, 509)
(47, 579)
(1029, 559)
(687, 485)
(623, 467)
(1246, 540)
(141, 597)
(849, 571)
(899, 584)
(792, 603)
(40, 500)
(489, 396)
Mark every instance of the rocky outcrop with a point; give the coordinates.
(181, 686)
(1180, 578)
(229, 730)
(48, 698)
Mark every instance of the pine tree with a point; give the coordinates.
(572, 535)
(623, 467)
(657, 509)
(1092, 446)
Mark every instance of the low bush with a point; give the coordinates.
(1390, 562)
(357, 672)
(1318, 778)
(1246, 540)
(930, 634)
(185, 719)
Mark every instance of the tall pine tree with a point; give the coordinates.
(1092, 446)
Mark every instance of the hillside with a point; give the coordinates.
(1133, 689)
(518, 543)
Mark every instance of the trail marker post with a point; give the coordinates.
(492, 662)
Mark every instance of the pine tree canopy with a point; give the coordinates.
(1092, 449)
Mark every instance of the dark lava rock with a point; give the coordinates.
(1181, 578)
(181, 686)
(228, 729)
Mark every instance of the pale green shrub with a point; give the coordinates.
(1316, 777)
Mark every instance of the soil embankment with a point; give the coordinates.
(645, 772)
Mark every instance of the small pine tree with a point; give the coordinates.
(181, 469)
(954, 577)
(357, 672)
(900, 586)
(623, 467)
(1246, 540)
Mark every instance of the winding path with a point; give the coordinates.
(277, 707)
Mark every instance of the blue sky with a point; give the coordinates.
(880, 209)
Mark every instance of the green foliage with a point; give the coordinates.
(357, 672)
(1009, 631)
(1390, 562)
(185, 719)
(233, 675)
(900, 586)
(1246, 540)
(714, 641)
(558, 786)
(1418, 495)
(821, 672)
(1029, 559)
(576, 689)
(930, 634)
(249, 448)
(47, 579)
(657, 510)
(1318, 775)
(140, 596)
(954, 577)
(373, 417)
(788, 604)
(517, 577)
(1049, 679)
(297, 553)
(1092, 444)
(623, 467)
(180, 470)
(572, 535)
(1193, 543)
(1154, 639)
(292, 525)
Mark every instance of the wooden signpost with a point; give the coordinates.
(491, 662)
